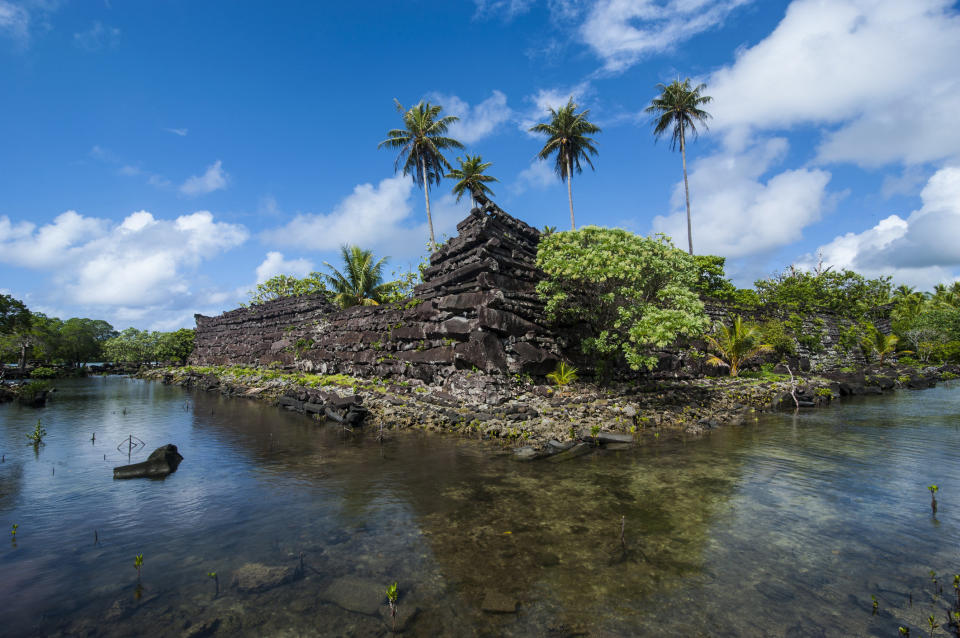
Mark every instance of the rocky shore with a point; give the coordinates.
(541, 420)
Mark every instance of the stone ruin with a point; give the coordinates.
(476, 309)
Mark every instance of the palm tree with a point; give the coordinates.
(361, 282)
(677, 108)
(471, 178)
(567, 137)
(875, 342)
(735, 345)
(420, 142)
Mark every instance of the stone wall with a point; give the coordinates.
(477, 308)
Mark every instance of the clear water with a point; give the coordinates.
(783, 527)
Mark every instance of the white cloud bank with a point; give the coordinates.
(379, 217)
(880, 73)
(141, 263)
(214, 179)
(735, 212)
(921, 250)
(275, 264)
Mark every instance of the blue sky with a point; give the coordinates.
(158, 159)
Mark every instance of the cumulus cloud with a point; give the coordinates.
(478, 121)
(622, 32)
(920, 250)
(140, 262)
(880, 73)
(380, 217)
(503, 9)
(736, 212)
(214, 179)
(275, 264)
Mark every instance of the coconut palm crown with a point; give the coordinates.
(470, 178)
(567, 137)
(735, 345)
(421, 142)
(361, 282)
(677, 109)
(876, 343)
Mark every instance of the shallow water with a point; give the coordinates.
(782, 527)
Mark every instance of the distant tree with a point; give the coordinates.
(280, 286)
(175, 346)
(421, 142)
(733, 346)
(677, 108)
(361, 282)
(15, 323)
(567, 138)
(470, 178)
(132, 346)
(82, 339)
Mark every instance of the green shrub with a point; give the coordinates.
(43, 373)
(775, 334)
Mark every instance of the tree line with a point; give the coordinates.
(27, 337)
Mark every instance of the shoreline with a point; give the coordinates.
(539, 420)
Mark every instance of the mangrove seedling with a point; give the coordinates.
(933, 498)
(936, 585)
(13, 531)
(876, 604)
(216, 582)
(956, 588)
(932, 621)
(393, 593)
(594, 432)
(38, 433)
(904, 631)
(138, 563)
(955, 621)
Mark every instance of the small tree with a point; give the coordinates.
(735, 345)
(471, 179)
(281, 286)
(632, 292)
(875, 343)
(361, 282)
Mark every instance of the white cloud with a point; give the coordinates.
(96, 37)
(921, 250)
(379, 217)
(882, 73)
(14, 21)
(539, 175)
(275, 264)
(140, 262)
(478, 121)
(545, 99)
(182, 132)
(622, 32)
(214, 179)
(735, 212)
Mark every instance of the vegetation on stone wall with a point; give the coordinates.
(633, 292)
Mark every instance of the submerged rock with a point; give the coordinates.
(162, 461)
(497, 603)
(356, 595)
(256, 577)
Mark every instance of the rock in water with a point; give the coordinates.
(162, 461)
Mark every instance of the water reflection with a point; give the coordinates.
(783, 527)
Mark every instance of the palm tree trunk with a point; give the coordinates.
(426, 196)
(573, 226)
(686, 188)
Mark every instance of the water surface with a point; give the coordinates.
(783, 527)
